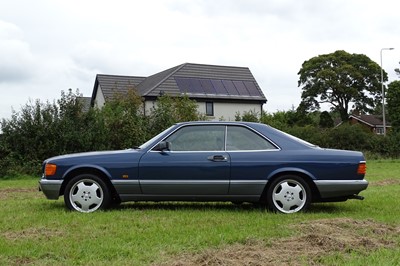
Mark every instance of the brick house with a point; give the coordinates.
(373, 122)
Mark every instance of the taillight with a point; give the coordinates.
(362, 168)
(50, 169)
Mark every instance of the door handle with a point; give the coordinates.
(218, 158)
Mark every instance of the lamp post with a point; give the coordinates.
(383, 94)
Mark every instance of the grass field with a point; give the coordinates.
(36, 231)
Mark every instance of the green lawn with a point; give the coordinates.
(36, 231)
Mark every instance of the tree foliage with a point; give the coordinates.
(393, 104)
(325, 120)
(41, 130)
(122, 121)
(170, 110)
(247, 116)
(342, 80)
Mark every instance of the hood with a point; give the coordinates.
(94, 155)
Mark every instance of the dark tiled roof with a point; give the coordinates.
(166, 82)
(373, 120)
(110, 84)
(210, 72)
(152, 82)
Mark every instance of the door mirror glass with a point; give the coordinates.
(162, 146)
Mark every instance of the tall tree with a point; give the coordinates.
(343, 80)
(393, 104)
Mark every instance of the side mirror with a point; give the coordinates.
(162, 146)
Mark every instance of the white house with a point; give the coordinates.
(220, 91)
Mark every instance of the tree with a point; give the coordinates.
(393, 104)
(301, 117)
(41, 130)
(248, 116)
(71, 125)
(170, 110)
(342, 80)
(325, 120)
(280, 119)
(123, 121)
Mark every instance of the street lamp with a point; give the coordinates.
(383, 94)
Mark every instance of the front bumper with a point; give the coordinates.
(50, 188)
(340, 188)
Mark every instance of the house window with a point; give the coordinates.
(209, 109)
(379, 130)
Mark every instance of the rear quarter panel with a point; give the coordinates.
(319, 164)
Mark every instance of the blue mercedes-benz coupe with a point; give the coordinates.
(208, 161)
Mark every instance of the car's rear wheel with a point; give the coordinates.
(86, 193)
(288, 194)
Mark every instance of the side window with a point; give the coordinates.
(198, 138)
(242, 138)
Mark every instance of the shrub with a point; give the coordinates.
(170, 110)
(42, 130)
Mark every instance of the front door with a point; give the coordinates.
(195, 165)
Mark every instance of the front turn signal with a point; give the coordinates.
(50, 169)
(362, 168)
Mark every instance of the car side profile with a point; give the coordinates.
(208, 161)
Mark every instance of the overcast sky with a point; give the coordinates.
(51, 45)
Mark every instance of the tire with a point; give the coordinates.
(87, 193)
(115, 201)
(288, 194)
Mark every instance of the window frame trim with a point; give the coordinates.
(278, 148)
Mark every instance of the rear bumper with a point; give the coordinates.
(340, 188)
(50, 188)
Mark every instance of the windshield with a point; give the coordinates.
(149, 142)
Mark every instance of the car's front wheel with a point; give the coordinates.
(86, 193)
(288, 194)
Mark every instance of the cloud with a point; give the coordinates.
(66, 43)
(17, 62)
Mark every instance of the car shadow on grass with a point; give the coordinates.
(204, 206)
(227, 206)
(188, 206)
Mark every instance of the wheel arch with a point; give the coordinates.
(101, 173)
(306, 176)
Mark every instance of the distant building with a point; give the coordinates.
(220, 91)
(373, 122)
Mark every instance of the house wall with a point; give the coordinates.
(372, 128)
(149, 106)
(227, 111)
(99, 99)
(355, 121)
(222, 111)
